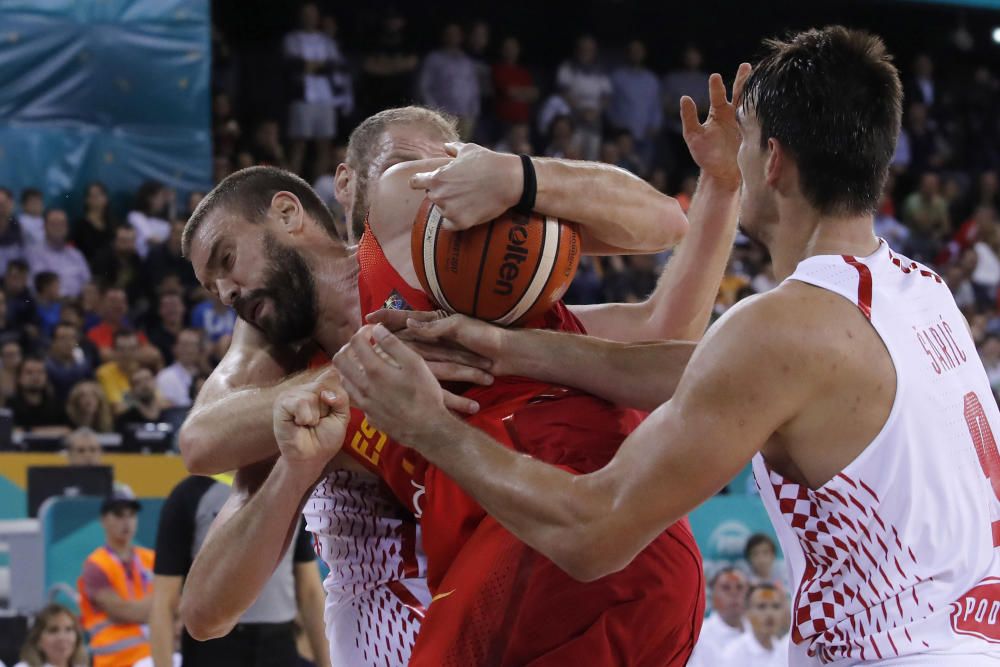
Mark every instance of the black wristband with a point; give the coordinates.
(530, 190)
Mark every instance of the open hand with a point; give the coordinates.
(715, 143)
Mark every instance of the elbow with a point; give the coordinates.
(587, 560)
(672, 221)
(194, 445)
(200, 621)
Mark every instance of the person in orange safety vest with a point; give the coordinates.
(115, 589)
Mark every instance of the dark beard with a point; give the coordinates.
(359, 211)
(290, 287)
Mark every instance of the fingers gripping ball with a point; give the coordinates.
(506, 271)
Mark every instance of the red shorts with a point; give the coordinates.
(499, 602)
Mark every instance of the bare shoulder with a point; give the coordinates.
(252, 361)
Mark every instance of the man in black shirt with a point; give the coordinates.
(264, 635)
(34, 403)
(145, 405)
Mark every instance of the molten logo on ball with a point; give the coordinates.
(516, 253)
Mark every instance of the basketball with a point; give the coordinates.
(506, 271)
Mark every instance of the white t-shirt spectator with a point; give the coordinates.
(586, 86)
(174, 384)
(32, 228)
(746, 651)
(987, 271)
(147, 230)
(317, 47)
(715, 637)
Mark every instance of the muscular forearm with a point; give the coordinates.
(240, 555)
(618, 211)
(229, 430)
(640, 375)
(681, 305)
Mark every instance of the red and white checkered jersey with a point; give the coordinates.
(376, 591)
(895, 559)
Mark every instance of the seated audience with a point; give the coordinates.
(150, 216)
(175, 381)
(54, 640)
(11, 355)
(66, 364)
(56, 255)
(88, 407)
(762, 646)
(34, 403)
(31, 217)
(728, 591)
(163, 334)
(119, 265)
(144, 405)
(114, 375)
(95, 230)
(83, 448)
(48, 307)
(114, 316)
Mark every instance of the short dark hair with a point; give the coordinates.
(43, 279)
(144, 196)
(833, 99)
(250, 191)
(124, 332)
(28, 193)
(18, 264)
(756, 540)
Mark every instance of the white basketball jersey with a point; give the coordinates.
(895, 559)
(376, 591)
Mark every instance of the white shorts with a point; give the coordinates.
(312, 120)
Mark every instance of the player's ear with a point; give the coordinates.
(343, 185)
(775, 162)
(287, 212)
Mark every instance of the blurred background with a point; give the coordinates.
(116, 116)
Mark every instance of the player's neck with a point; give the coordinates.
(337, 293)
(802, 232)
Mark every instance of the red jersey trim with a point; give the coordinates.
(864, 285)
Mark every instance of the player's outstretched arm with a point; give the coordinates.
(617, 211)
(731, 399)
(681, 305)
(253, 530)
(230, 424)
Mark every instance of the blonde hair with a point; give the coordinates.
(31, 654)
(102, 421)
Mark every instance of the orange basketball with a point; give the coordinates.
(506, 271)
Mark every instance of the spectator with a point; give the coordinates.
(986, 276)
(163, 335)
(265, 145)
(586, 87)
(990, 353)
(926, 214)
(95, 230)
(448, 81)
(32, 224)
(114, 316)
(55, 255)
(388, 68)
(690, 79)
(313, 57)
(8, 331)
(11, 239)
(115, 375)
(119, 265)
(11, 355)
(728, 590)
(214, 318)
(921, 87)
(477, 44)
(513, 85)
(54, 640)
(72, 314)
(762, 646)
(928, 149)
(34, 404)
(167, 260)
(66, 364)
(517, 140)
(629, 158)
(563, 140)
(149, 219)
(115, 588)
(83, 448)
(144, 403)
(48, 307)
(20, 303)
(87, 406)
(888, 227)
(761, 554)
(175, 382)
(635, 101)
(265, 628)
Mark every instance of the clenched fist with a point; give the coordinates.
(310, 421)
